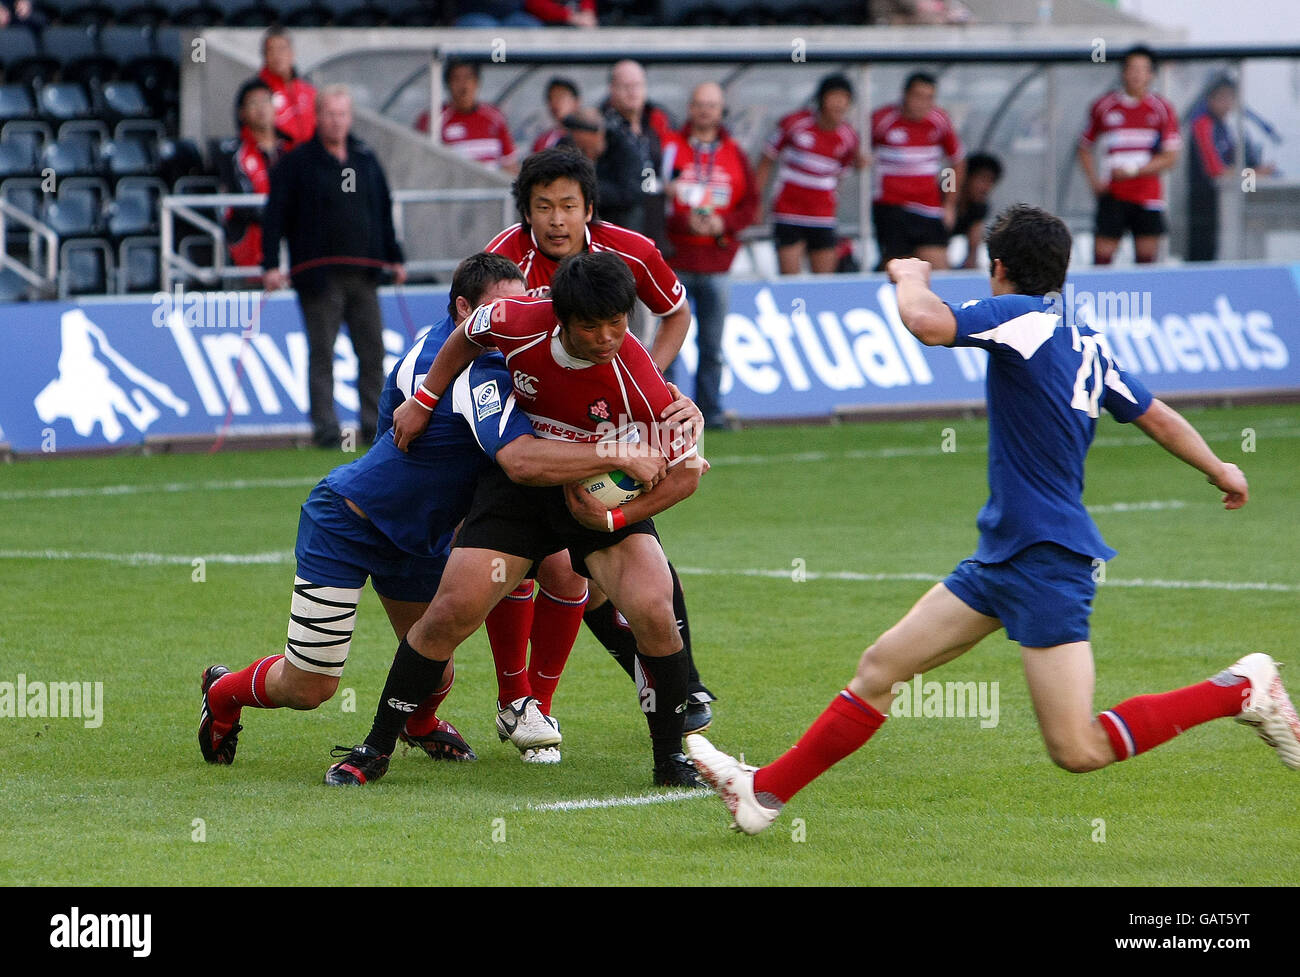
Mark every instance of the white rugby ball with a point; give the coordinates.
(612, 489)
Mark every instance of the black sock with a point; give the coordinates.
(411, 680)
(661, 684)
(684, 627)
(616, 638)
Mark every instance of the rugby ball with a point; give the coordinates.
(612, 489)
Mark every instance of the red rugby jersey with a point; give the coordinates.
(656, 284)
(810, 161)
(295, 105)
(908, 157)
(481, 135)
(1130, 131)
(570, 399)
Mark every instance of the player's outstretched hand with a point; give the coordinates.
(409, 422)
(684, 414)
(585, 509)
(899, 269)
(1232, 482)
(647, 465)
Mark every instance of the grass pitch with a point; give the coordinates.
(800, 547)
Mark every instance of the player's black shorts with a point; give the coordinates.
(899, 232)
(534, 523)
(818, 238)
(1114, 217)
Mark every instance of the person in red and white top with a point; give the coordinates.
(294, 98)
(810, 149)
(245, 167)
(474, 129)
(580, 376)
(914, 202)
(1137, 132)
(562, 100)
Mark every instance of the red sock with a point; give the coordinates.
(556, 623)
(507, 627)
(847, 723)
(425, 717)
(230, 693)
(1144, 722)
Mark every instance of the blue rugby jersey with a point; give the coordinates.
(417, 498)
(1046, 382)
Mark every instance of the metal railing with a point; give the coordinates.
(187, 207)
(46, 284)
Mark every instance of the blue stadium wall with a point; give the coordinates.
(108, 373)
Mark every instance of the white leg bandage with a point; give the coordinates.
(321, 622)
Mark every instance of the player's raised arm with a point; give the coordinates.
(1175, 434)
(412, 417)
(926, 316)
(536, 461)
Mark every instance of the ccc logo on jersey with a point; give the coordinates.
(525, 384)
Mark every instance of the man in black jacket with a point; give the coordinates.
(329, 198)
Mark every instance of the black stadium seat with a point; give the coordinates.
(70, 157)
(84, 267)
(74, 213)
(132, 213)
(67, 43)
(16, 44)
(141, 13)
(138, 264)
(13, 287)
(93, 12)
(128, 157)
(17, 158)
(251, 14)
(304, 13)
(124, 100)
(64, 100)
(197, 13)
(126, 43)
(31, 136)
(16, 102)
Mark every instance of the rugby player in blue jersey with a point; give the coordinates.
(390, 516)
(1032, 572)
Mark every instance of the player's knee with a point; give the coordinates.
(307, 690)
(876, 675)
(654, 622)
(453, 616)
(1076, 757)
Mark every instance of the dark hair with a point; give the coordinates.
(476, 274)
(920, 78)
(275, 30)
(454, 63)
(247, 88)
(1033, 246)
(984, 161)
(558, 82)
(548, 166)
(1139, 49)
(832, 83)
(594, 286)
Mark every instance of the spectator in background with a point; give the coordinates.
(329, 197)
(294, 98)
(714, 198)
(914, 209)
(647, 130)
(573, 13)
(618, 173)
(1139, 138)
(811, 148)
(1211, 164)
(982, 174)
(21, 12)
(245, 167)
(927, 12)
(562, 100)
(474, 129)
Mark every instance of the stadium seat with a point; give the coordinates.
(16, 45)
(137, 265)
(85, 268)
(73, 213)
(131, 213)
(70, 157)
(254, 14)
(67, 44)
(149, 130)
(419, 14)
(304, 13)
(128, 157)
(138, 13)
(13, 287)
(64, 100)
(197, 183)
(32, 136)
(690, 13)
(16, 102)
(200, 13)
(179, 158)
(126, 43)
(24, 194)
(86, 12)
(124, 100)
(358, 13)
(17, 158)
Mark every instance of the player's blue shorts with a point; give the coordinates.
(338, 548)
(1042, 595)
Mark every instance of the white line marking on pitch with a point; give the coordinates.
(286, 557)
(595, 803)
(78, 492)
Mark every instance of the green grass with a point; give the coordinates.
(929, 801)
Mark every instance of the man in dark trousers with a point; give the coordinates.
(329, 198)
